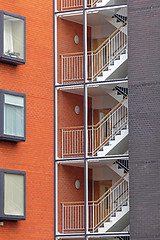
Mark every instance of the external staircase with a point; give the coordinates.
(108, 61)
(69, 4)
(102, 3)
(108, 136)
(123, 238)
(120, 167)
(119, 92)
(109, 213)
(117, 17)
(115, 144)
(112, 72)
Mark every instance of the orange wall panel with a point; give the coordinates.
(35, 156)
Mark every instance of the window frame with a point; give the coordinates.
(2, 215)
(4, 58)
(3, 136)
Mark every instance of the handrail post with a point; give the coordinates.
(109, 49)
(62, 67)
(92, 59)
(62, 143)
(93, 218)
(63, 218)
(92, 139)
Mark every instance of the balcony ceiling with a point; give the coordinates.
(94, 18)
(97, 162)
(93, 89)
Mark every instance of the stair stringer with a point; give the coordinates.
(117, 65)
(119, 98)
(102, 3)
(117, 223)
(110, 2)
(115, 168)
(119, 171)
(114, 22)
(113, 93)
(113, 144)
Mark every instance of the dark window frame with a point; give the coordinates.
(4, 58)
(3, 136)
(2, 215)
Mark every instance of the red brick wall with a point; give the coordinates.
(65, 40)
(67, 192)
(35, 156)
(67, 2)
(66, 113)
(35, 79)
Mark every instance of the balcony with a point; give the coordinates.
(100, 211)
(107, 126)
(104, 63)
(108, 196)
(100, 135)
(78, 4)
(107, 46)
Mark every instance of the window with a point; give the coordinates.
(12, 116)
(12, 195)
(12, 38)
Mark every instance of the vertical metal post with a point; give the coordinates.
(93, 217)
(63, 218)
(55, 118)
(92, 56)
(85, 119)
(55, 167)
(62, 143)
(62, 68)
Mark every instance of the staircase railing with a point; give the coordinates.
(99, 211)
(122, 91)
(121, 15)
(123, 238)
(98, 135)
(98, 60)
(70, 4)
(124, 164)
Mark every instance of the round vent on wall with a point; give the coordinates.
(76, 39)
(77, 184)
(77, 109)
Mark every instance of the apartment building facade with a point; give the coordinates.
(91, 120)
(26, 120)
(79, 160)
(92, 139)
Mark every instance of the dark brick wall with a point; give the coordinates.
(144, 118)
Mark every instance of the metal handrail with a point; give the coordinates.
(98, 60)
(98, 135)
(99, 211)
(68, 4)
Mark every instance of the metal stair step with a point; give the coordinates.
(125, 204)
(114, 215)
(123, 52)
(119, 209)
(118, 133)
(117, 58)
